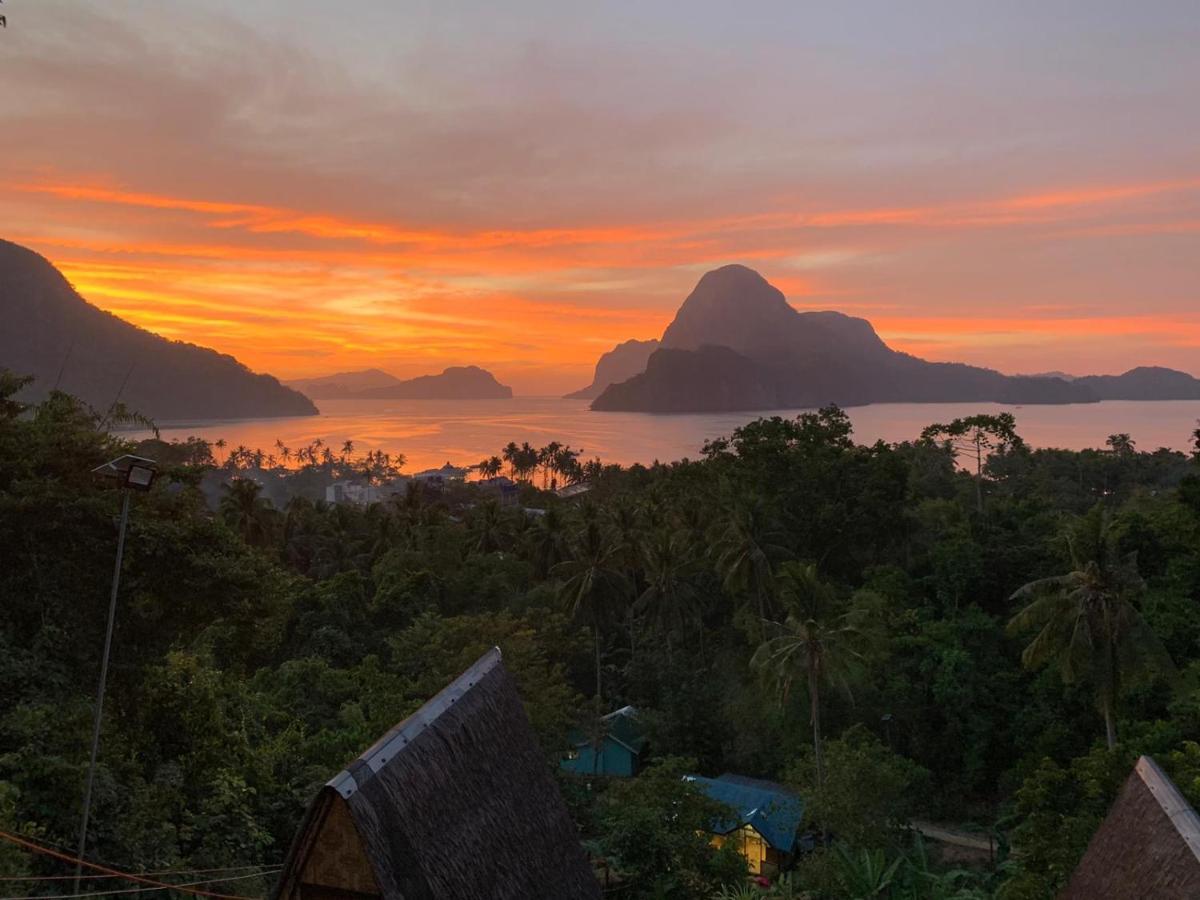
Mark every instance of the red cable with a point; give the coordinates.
(37, 848)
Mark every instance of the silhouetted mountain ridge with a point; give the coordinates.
(622, 362)
(453, 383)
(51, 332)
(342, 384)
(782, 358)
(1144, 383)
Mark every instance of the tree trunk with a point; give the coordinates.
(814, 698)
(1109, 699)
(979, 479)
(1110, 727)
(596, 641)
(762, 613)
(632, 637)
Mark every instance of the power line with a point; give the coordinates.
(156, 872)
(143, 890)
(46, 851)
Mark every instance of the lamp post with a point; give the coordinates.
(133, 473)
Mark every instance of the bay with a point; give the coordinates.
(432, 432)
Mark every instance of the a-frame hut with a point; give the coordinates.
(455, 802)
(1147, 846)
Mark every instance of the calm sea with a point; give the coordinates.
(430, 432)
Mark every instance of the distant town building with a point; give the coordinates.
(455, 802)
(362, 492)
(615, 751)
(442, 476)
(765, 822)
(502, 487)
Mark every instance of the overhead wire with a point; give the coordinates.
(128, 876)
(159, 871)
(144, 890)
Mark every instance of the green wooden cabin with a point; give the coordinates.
(615, 752)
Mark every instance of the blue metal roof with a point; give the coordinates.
(771, 811)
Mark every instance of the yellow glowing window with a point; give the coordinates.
(749, 843)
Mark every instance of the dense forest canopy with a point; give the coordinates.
(892, 630)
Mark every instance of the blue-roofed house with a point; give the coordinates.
(764, 822)
(617, 753)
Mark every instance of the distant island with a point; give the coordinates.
(454, 383)
(736, 344)
(619, 364)
(52, 333)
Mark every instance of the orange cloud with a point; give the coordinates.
(293, 291)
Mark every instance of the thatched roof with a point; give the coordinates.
(454, 802)
(1147, 846)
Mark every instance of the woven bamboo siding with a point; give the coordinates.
(336, 865)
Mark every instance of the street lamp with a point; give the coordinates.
(132, 473)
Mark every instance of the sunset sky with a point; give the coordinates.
(316, 186)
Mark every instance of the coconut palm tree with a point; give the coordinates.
(566, 465)
(527, 461)
(670, 600)
(509, 453)
(813, 645)
(547, 541)
(1087, 620)
(489, 530)
(547, 457)
(745, 551)
(592, 586)
(247, 513)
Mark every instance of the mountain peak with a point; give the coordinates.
(735, 306)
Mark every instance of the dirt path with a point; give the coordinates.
(966, 839)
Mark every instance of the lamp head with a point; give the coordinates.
(134, 472)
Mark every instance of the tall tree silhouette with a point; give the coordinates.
(813, 645)
(593, 587)
(1087, 620)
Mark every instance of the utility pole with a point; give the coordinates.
(134, 473)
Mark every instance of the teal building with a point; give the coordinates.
(616, 752)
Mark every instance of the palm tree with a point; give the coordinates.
(815, 643)
(247, 513)
(566, 464)
(489, 530)
(527, 461)
(670, 599)
(1088, 621)
(547, 457)
(510, 452)
(744, 549)
(547, 541)
(490, 467)
(592, 585)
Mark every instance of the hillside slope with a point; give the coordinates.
(52, 333)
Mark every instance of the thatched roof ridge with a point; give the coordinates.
(456, 801)
(1147, 846)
